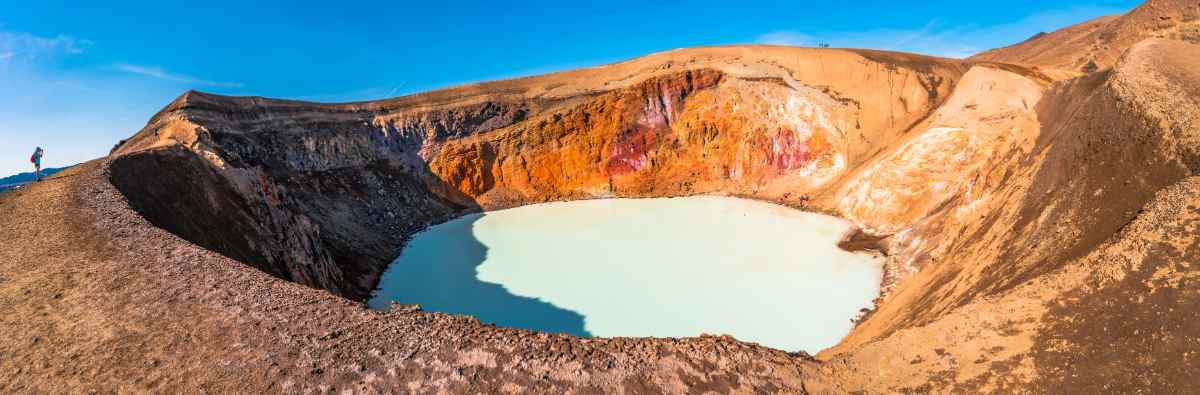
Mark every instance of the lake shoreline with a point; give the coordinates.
(757, 227)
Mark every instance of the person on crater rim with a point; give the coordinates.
(37, 163)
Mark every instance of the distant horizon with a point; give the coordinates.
(77, 79)
(28, 176)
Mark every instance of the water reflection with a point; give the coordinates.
(440, 273)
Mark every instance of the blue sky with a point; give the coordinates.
(78, 78)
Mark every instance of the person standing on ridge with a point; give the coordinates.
(37, 163)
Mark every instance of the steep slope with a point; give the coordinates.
(1097, 44)
(1058, 192)
(1094, 234)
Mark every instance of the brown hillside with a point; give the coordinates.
(1098, 43)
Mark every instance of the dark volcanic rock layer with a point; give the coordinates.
(315, 195)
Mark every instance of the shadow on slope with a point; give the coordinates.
(440, 273)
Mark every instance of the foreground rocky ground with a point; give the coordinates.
(98, 299)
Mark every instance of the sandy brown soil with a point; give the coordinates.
(1040, 236)
(1097, 44)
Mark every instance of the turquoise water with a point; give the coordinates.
(643, 267)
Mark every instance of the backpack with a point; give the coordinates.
(33, 158)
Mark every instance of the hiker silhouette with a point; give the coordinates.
(37, 163)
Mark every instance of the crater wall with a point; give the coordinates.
(975, 178)
(325, 195)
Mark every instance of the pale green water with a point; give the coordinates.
(643, 267)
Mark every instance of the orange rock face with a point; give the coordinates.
(697, 131)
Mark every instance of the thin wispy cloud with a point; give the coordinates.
(74, 115)
(938, 38)
(159, 73)
(365, 94)
(924, 40)
(15, 45)
(390, 91)
(787, 37)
